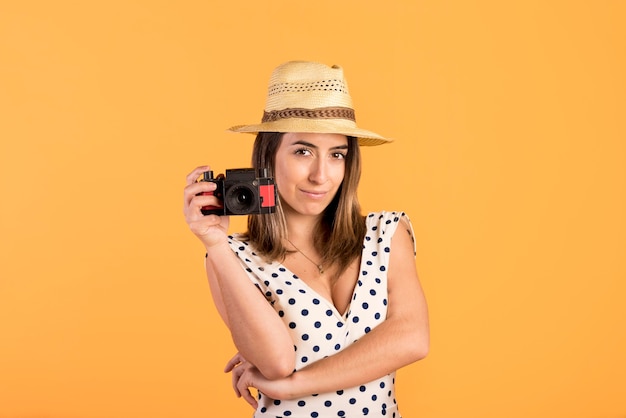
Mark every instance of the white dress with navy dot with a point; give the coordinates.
(319, 330)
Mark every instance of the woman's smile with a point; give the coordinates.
(314, 193)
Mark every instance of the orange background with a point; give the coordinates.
(510, 158)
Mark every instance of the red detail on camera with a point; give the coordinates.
(267, 196)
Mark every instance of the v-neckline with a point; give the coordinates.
(328, 302)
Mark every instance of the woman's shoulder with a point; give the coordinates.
(240, 243)
(238, 237)
(385, 217)
(245, 250)
(383, 224)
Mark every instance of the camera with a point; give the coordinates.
(243, 191)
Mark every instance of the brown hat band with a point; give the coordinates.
(320, 113)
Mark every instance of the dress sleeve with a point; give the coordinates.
(389, 222)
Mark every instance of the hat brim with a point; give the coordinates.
(322, 126)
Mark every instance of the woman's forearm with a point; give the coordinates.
(387, 348)
(256, 329)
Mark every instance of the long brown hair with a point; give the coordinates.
(338, 236)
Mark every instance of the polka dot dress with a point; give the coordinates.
(319, 330)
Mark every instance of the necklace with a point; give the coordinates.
(320, 267)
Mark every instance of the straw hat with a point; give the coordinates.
(310, 97)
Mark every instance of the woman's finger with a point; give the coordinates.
(193, 188)
(195, 174)
(243, 387)
(236, 374)
(247, 395)
(198, 196)
(237, 359)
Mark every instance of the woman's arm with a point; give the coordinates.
(401, 339)
(256, 329)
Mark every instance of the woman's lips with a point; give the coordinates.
(315, 194)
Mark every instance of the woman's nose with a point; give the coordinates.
(318, 172)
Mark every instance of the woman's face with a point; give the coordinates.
(309, 170)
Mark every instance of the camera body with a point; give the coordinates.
(243, 191)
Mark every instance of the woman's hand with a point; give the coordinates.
(239, 366)
(246, 376)
(210, 229)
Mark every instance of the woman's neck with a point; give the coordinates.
(301, 227)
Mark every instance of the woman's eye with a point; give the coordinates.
(303, 151)
(339, 155)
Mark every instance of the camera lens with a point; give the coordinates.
(243, 198)
(240, 199)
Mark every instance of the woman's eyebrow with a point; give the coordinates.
(308, 144)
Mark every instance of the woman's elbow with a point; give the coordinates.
(419, 346)
(420, 350)
(279, 367)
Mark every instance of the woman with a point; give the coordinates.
(323, 304)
